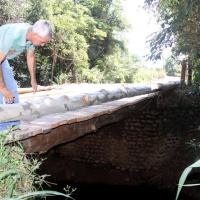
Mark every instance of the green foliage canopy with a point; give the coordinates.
(87, 45)
(180, 29)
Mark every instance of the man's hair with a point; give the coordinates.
(42, 28)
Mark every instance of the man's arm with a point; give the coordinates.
(32, 68)
(3, 90)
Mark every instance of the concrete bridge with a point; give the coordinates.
(127, 135)
(65, 113)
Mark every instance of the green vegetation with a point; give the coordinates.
(88, 44)
(180, 31)
(183, 177)
(172, 67)
(18, 177)
(145, 75)
(196, 146)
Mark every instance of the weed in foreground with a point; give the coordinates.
(18, 178)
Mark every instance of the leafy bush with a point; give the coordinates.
(18, 178)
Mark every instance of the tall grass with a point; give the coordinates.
(196, 145)
(183, 177)
(18, 177)
(146, 75)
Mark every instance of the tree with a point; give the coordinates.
(180, 29)
(172, 67)
(86, 41)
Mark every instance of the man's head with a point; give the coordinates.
(41, 33)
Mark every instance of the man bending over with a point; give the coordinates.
(14, 39)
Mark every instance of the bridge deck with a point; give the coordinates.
(46, 123)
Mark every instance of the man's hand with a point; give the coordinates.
(7, 95)
(34, 85)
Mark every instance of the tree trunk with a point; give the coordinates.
(53, 64)
(74, 79)
(183, 72)
(189, 72)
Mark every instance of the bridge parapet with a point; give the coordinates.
(62, 100)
